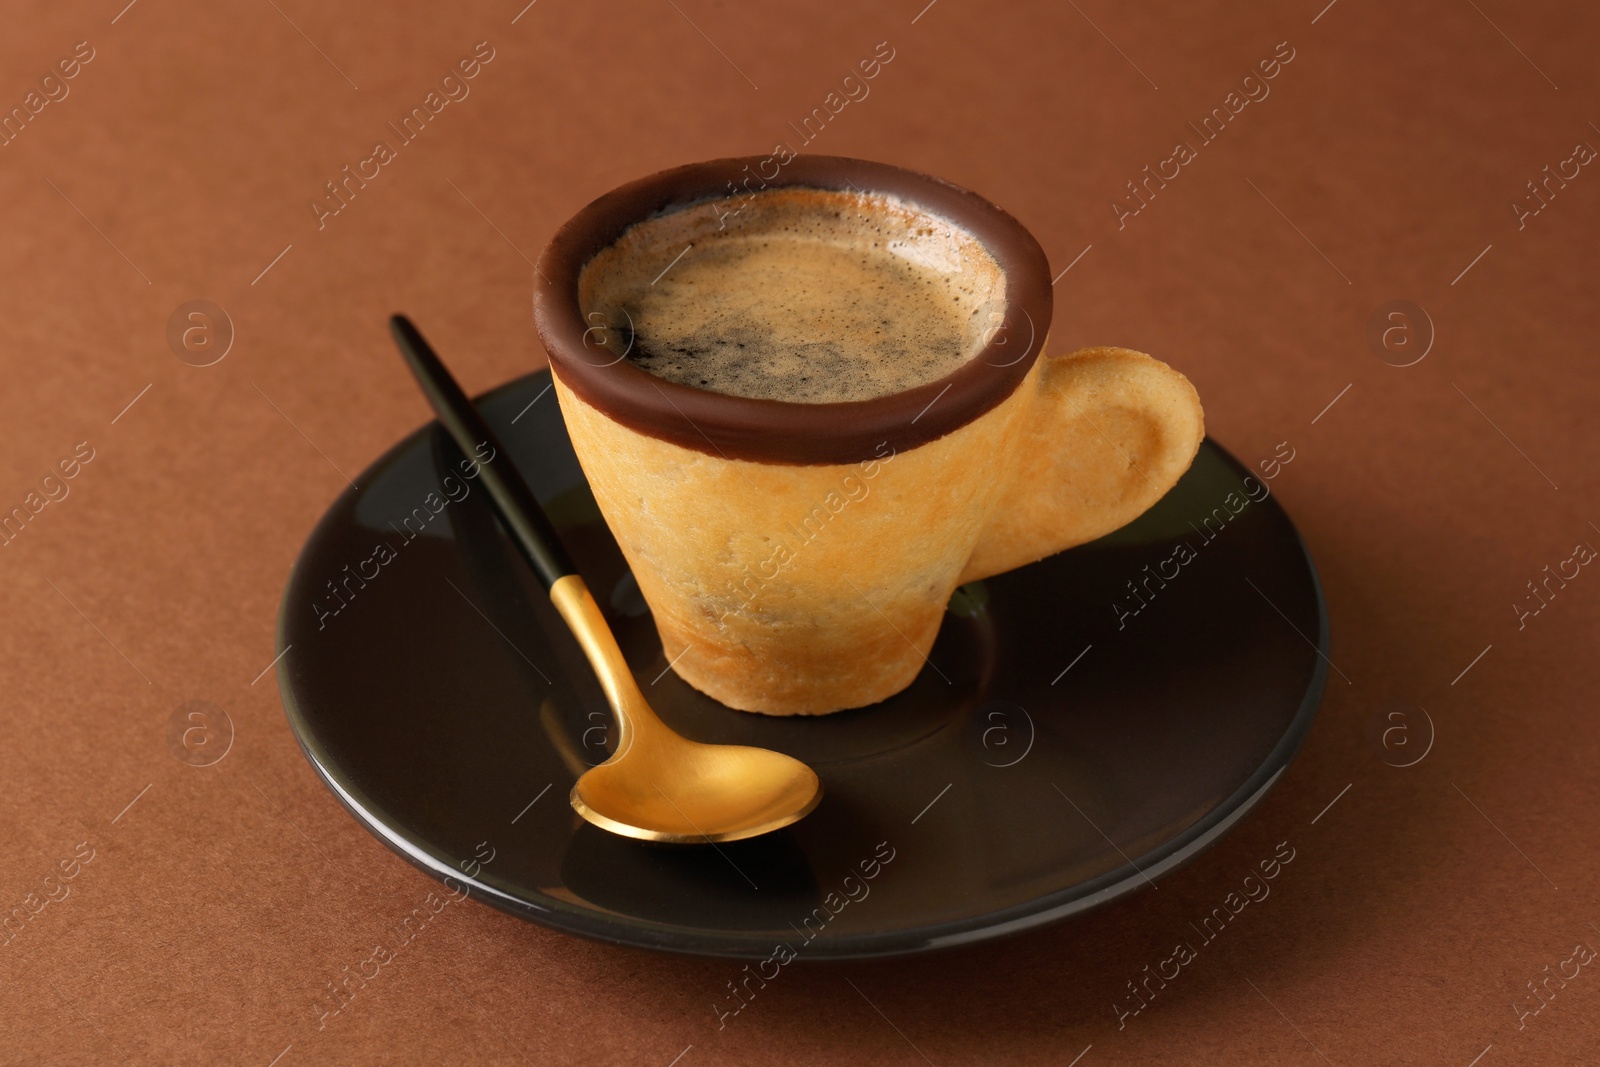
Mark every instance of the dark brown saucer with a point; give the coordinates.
(1060, 751)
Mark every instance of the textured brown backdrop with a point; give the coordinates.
(182, 160)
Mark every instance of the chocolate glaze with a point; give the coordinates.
(773, 431)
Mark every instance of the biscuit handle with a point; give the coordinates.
(1108, 432)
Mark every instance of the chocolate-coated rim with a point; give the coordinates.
(775, 431)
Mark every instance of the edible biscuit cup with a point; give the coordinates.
(797, 556)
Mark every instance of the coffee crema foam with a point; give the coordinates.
(808, 296)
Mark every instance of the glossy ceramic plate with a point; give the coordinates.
(1086, 724)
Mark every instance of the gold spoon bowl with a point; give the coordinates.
(659, 785)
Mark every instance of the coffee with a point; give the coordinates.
(803, 295)
(799, 558)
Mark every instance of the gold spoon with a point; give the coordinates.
(659, 785)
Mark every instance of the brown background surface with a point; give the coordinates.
(215, 907)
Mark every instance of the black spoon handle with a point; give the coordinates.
(514, 502)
